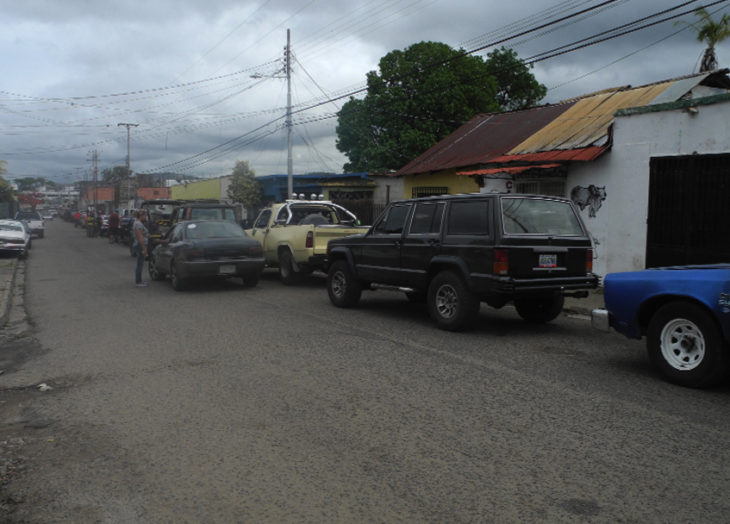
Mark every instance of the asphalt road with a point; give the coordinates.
(229, 404)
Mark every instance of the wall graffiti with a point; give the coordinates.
(591, 197)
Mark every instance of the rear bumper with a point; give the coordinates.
(223, 268)
(600, 320)
(517, 286)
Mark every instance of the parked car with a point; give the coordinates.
(456, 251)
(295, 234)
(684, 313)
(15, 237)
(204, 249)
(34, 220)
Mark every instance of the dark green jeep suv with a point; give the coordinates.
(456, 251)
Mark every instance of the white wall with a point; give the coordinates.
(380, 193)
(619, 226)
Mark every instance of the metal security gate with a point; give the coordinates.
(689, 210)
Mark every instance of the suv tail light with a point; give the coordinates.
(501, 262)
(589, 261)
(309, 243)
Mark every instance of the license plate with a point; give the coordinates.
(548, 261)
(227, 269)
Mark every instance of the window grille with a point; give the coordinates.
(424, 191)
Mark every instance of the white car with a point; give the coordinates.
(34, 221)
(14, 237)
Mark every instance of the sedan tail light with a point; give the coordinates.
(192, 254)
(501, 262)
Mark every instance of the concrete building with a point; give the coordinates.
(646, 165)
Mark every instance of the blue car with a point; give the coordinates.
(684, 313)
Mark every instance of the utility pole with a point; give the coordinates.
(289, 161)
(95, 175)
(129, 172)
(288, 122)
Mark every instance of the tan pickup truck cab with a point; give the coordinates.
(294, 235)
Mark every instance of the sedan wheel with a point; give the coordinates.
(686, 345)
(152, 268)
(178, 283)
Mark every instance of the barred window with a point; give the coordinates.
(424, 191)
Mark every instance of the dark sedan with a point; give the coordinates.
(206, 249)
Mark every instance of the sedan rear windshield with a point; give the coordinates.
(11, 227)
(199, 230)
(538, 216)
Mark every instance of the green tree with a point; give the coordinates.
(517, 88)
(245, 188)
(115, 174)
(6, 190)
(29, 183)
(418, 97)
(710, 32)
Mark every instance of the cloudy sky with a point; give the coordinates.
(201, 78)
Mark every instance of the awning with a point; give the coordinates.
(508, 170)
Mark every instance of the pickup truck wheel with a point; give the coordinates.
(178, 284)
(286, 269)
(450, 303)
(342, 287)
(152, 269)
(686, 345)
(541, 309)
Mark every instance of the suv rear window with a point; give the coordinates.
(537, 216)
(469, 218)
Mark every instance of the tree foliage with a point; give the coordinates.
(422, 94)
(115, 174)
(244, 187)
(6, 191)
(517, 88)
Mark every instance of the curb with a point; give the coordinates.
(7, 282)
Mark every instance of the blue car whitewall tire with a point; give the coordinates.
(685, 343)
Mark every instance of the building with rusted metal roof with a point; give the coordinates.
(574, 149)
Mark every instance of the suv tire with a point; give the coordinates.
(450, 303)
(540, 309)
(342, 287)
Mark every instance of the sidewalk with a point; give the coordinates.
(7, 281)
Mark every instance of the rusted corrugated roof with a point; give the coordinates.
(584, 154)
(483, 138)
(586, 122)
(573, 131)
(510, 170)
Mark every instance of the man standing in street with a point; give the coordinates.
(140, 235)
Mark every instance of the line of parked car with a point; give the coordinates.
(454, 252)
(16, 234)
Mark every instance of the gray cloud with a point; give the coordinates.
(182, 70)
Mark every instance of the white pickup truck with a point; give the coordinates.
(34, 220)
(294, 235)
